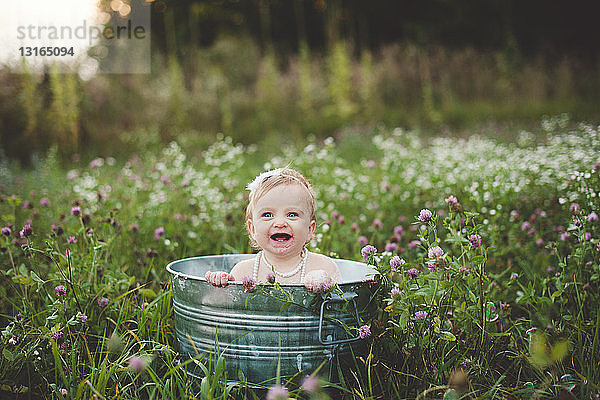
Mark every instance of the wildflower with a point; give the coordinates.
(58, 336)
(185, 183)
(44, 202)
(96, 163)
(364, 331)
(354, 227)
(341, 220)
(586, 286)
(525, 226)
(158, 232)
(26, 231)
(377, 224)
(550, 269)
(248, 283)
(76, 210)
(539, 242)
(90, 231)
(414, 243)
(102, 302)
(67, 253)
(151, 253)
(136, 363)
(310, 384)
(318, 282)
(451, 200)
(277, 392)
(593, 217)
(413, 273)
(370, 164)
(82, 316)
(398, 230)
(396, 262)
(598, 246)
(395, 293)
(134, 227)
(19, 316)
(425, 215)
(564, 236)
(464, 269)
(13, 341)
(475, 240)
(574, 207)
(64, 391)
(435, 252)
(559, 228)
(6, 231)
(585, 237)
(367, 251)
(391, 247)
(270, 277)
(60, 290)
(165, 179)
(421, 314)
(362, 240)
(532, 231)
(71, 239)
(514, 275)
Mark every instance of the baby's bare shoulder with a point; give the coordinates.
(320, 261)
(242, 268)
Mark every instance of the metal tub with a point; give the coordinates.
(291, 327)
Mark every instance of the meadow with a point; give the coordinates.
(488, 253)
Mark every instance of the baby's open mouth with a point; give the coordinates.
(281, 237)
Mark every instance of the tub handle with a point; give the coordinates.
(348, 297)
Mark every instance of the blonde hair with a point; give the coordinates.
(270, 180)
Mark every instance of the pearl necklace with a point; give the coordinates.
(300, 267)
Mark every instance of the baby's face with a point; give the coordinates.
(281, 221)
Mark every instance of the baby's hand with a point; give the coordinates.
(218, 278)
(318, 281)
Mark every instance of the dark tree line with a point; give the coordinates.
(531, 27)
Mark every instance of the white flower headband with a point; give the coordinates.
(252, 186)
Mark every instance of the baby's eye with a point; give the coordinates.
(292, 214)
(267, 215)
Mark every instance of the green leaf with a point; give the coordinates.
(448, 336)
(285, 305)
(148, 293)
(559, 351)
(8, 354)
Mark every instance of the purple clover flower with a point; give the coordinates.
(425, 215)
(464, 269)
(414, 243)
(451, 200)
(76, 210)
(421, 314)
(13, 341)
(514, 275)
(396, 262)
(574, 207)
(60, 290)
(585, 237)
(475, 240)
(540, 242)
(71, 239)
(277, 392)
(593, 217)
(564, 236)
(158, 232)
(391, 247)
(368, 250)
(44, 202)
(26, 231)
(82, 316)
(58, 337)
(311, 384)
(362, 240)
(395, 293)
(399, 230)
(435, 252)
(525, 226)
(102, 302)
(377, 224)
(412, 273)
(136, 363)
(270, 277)
(248, 283)
(364, 331)
(6, 231)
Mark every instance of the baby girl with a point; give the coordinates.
(280, 220)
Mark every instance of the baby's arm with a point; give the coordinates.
(222, 278)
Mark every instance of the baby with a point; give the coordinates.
(280, 220)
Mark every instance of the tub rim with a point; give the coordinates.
(175, 274)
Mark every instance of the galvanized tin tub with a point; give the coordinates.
(255, 332)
